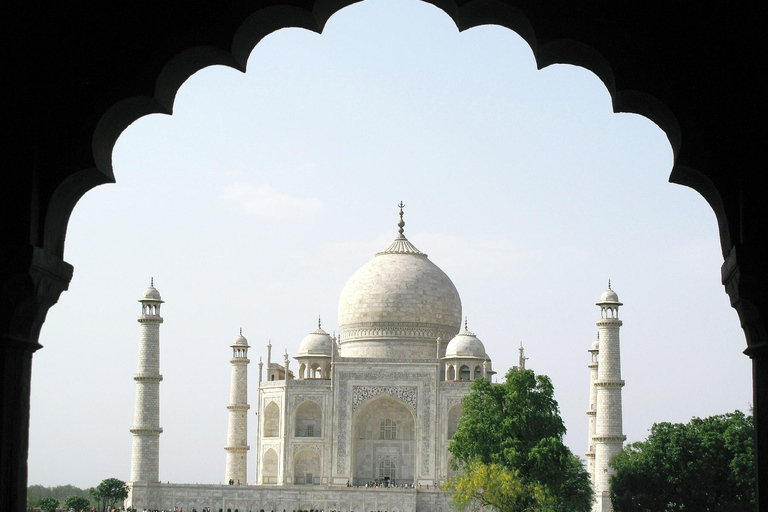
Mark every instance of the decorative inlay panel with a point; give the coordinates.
(454, 400)
(302, 398)
(407, 394)
(274, 446)
(315, 447)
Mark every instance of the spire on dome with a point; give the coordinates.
(241, 331)
(152, 281)
(318, 322)
(401, 245)
(609, 284)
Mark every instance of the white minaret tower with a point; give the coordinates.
(592, 411)
(145, 455)
(237, 434)
(609, 437)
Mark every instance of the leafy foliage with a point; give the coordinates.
(109, 492)
(60, 492)
(49, 504)
(517, 425)
(77, 503)
(493, 485)
(707, 464)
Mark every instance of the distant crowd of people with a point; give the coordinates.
(387, 484)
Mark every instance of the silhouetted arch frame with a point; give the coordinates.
(554, 36)
(266, 20)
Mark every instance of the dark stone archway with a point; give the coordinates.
(77, 75)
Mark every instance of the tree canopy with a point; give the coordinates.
(707, 464)
(49, 504)
(109, 492)
(77, 503)
(517, 426)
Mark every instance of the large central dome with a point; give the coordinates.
(397, 305)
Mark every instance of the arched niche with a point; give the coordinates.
(272, 420)
(306, 467)
(308, 420)
(383, 428)
(270, 466)
(452, 421)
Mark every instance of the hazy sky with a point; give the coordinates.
(254, 203)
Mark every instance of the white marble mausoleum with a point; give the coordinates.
(377, 404)
(360, 422)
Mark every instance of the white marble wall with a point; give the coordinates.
(254, 498)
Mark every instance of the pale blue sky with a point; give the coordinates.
(254, 203)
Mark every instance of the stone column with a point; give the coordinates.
(32, 280)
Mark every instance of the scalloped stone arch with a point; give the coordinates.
(717, 149)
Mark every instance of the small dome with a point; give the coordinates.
(609, 296)
(595, 346)
(466, 344)
(240, 341)
(151, 293)
(316, 343)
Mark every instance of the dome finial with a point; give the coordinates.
(318, 322)
(152, 281)
(609, 284)
(401, 224)
(241, 331)
(465, 324)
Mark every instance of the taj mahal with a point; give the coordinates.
(360, 421)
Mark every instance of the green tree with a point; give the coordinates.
(517, 425)
(707, 464)
(76, 503)
(49, 504)
(109, 492)
(495, 486)
(60, 492)
(33, 499)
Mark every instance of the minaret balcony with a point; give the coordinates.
(150, 319)
(610, 383)
(238, 407)
(237, 448)
(143, 377)
(146, 431)
(609, 439)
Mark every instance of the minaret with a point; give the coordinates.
(237, 433)
(145, 454)
(592, 411)
(609, 437)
